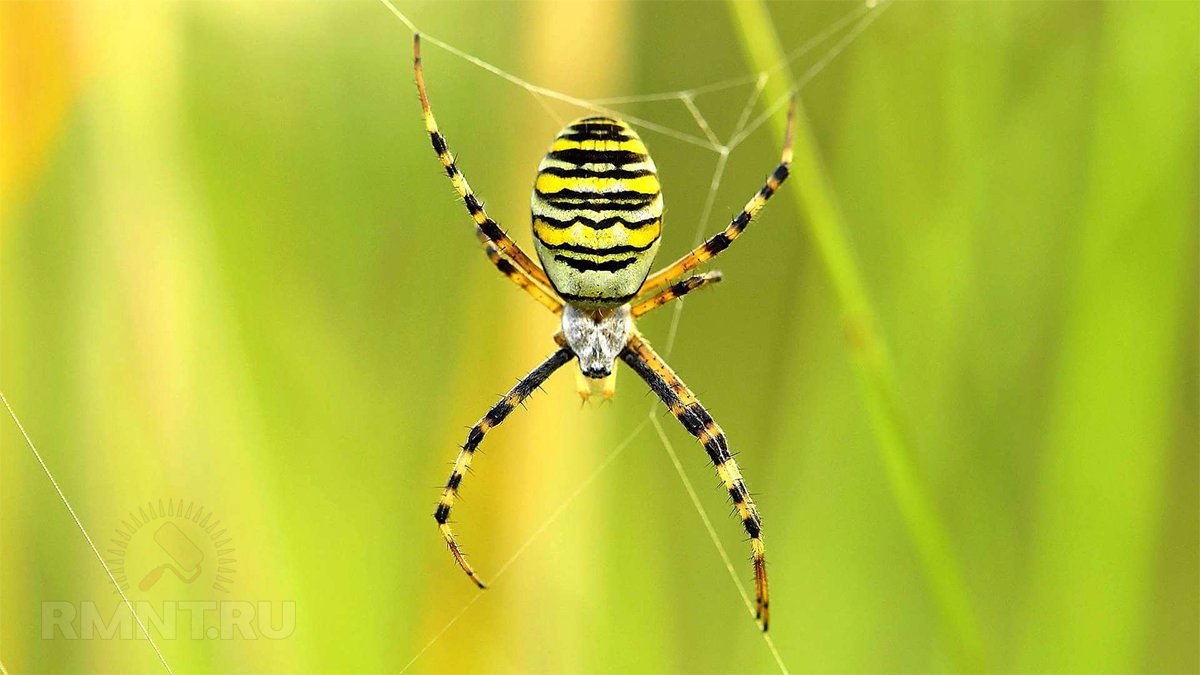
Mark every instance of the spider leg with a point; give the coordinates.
(493, 418)
(583, 385)
(608, 386)
(499, 246)
(721, 240)
(516, 275)
(683, 405)
(676, 290)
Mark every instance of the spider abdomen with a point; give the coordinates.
(597, 212)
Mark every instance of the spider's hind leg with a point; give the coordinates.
(682, 403)
(492, 419)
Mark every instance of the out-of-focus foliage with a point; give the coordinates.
(232, 273)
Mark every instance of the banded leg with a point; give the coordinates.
(493, 418)
(721, 240)
(508, 269)
(684, 406)
(486, 229)
(675, 290)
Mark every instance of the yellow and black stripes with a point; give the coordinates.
(597, 212)
(721, 240)
(676, 290)
(492, 419)
(684, 406)
(500, 248)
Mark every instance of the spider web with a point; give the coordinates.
(835, 38)
(845, 29)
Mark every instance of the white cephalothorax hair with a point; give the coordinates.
(596, 337)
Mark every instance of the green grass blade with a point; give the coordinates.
(1104, 472)
(869, 353)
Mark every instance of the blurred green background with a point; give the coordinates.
(232, 274)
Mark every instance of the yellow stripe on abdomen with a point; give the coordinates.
(632, 145)
(609, 237)
(600, 184)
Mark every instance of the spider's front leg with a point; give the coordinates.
(721, 240)
(499, 247)
(492, 419)
(683, 405)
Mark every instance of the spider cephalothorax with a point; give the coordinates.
(597, 218)
(596, 337)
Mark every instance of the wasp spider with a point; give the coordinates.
(597, 219)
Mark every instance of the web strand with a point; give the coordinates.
(550, 520)
(690, 103)
(713, 187)
(544, 91)
(79, 524)
(730, 83)
(748, 109)
(712, 534)
(809, 74)
(598, 105)
(541, 100)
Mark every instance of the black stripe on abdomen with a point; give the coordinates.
(596, 205)
(615, 174)
(583, 265)
(588, 197)
(580, 157)
(595, 224)
(573, 297)
(594, 132)
(611, 250)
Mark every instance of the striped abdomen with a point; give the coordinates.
(597, 212)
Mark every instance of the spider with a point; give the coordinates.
(597, 218)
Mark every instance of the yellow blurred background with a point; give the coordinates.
(238, 299)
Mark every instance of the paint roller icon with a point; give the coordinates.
(186, 555)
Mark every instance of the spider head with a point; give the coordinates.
(597, 337)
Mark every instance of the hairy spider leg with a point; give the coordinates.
(682, 403)
(492, 419)
(721, 240)
(676, 290)
(521, 270)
